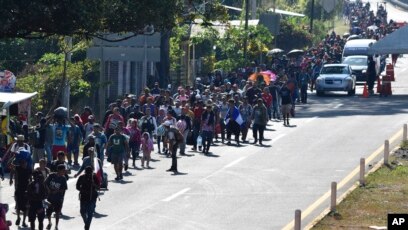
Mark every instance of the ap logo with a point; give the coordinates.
(397, 221)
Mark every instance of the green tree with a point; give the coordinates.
(46, 80)
(20, 54)
(94, 18)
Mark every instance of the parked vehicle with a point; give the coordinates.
(336, 77)
(357, 47)
(359, 65)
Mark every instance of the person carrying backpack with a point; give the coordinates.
(88, 185)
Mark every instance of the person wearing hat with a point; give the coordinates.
(15, 147)
(207, 127)
(173, 139)
(88, 185)
(116, 148)
(56, 184)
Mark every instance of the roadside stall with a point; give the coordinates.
(15, 108)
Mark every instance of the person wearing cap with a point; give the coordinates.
(15, 147)
(56, 184)
(171, 139)
(116, 149)
(88, 186)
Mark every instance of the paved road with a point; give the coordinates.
(252, 187)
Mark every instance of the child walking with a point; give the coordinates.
(147, 148)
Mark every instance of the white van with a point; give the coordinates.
(357, 47)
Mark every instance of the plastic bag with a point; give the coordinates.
(199, 141)
(61, 112)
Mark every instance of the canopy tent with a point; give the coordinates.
(10, 98)
(394, 43)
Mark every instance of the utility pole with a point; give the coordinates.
(66, 91)
(246, 30)
(311, 17)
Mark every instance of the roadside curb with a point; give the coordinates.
(399, 3)
(325, 212)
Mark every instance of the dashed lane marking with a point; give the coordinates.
(175, 195)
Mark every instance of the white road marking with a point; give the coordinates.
(277, 138)
(312, 119)
(234, 162)
(338, 106)
(221, 169)
(176, 195)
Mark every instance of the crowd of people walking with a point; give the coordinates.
(220, 107)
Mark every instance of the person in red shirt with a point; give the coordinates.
(198, 111)
(267, 99)
(113, 121)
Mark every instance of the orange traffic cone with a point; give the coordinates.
(378, 85)
(365, 91)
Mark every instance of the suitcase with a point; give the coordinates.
(104, 183)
